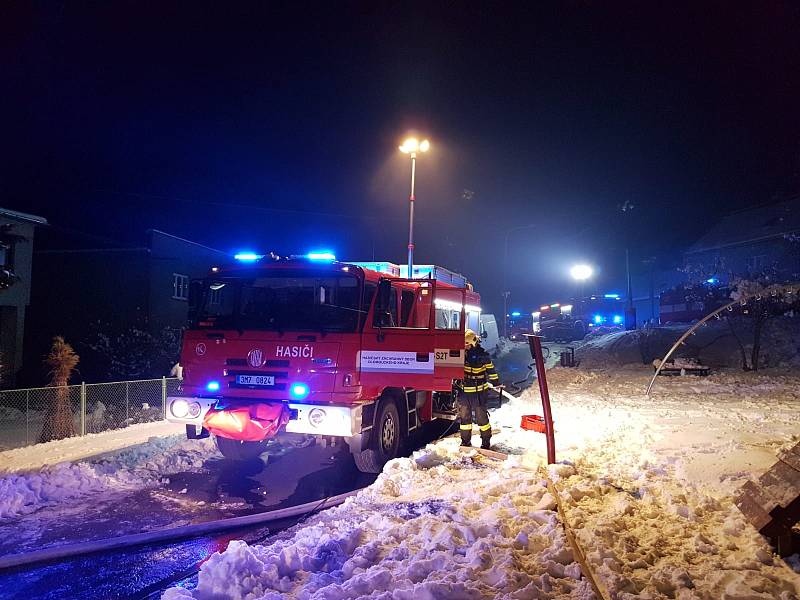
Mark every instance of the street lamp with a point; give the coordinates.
(412, 146)
(581, 273)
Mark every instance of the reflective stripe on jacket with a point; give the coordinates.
(478, 370)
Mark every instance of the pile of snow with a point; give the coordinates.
(504, 346)
(714, 343)
(645, 483)
(649, 487)
(135, 467)
(76, 448)
(440, 524)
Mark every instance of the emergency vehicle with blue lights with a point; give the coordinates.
(311, 345)
(571, 321)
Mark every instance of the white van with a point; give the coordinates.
(490, 338)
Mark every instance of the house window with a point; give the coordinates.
(180, 286)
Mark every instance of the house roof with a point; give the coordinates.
(184, 240)
(752, 225)
(21, 216)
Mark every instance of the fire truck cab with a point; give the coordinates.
(309, 345)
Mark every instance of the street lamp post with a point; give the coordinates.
(411, 146)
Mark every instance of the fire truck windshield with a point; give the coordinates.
(280, 302)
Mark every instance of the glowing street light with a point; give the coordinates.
(581, 272)
(411, 146)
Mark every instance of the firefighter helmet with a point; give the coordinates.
(470, 338)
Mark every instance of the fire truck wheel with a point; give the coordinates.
(238, 450)
(385, 444)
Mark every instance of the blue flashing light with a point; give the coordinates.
(712, 280)
(612, 296)
(598, 319)
(299, 390)
(321, 255)
(617, 319)
(248, 256)
(212, 386)
(516, 313)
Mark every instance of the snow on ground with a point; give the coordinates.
(76, 448)
(440, 524)
(133, 467)
(645, 483)
(505, 345)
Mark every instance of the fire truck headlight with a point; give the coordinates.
(316, 417)
(212, 386)
(194, 410)
(299, 390)
(179, 408)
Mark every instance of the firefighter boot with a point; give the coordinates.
(466, 437)
(486, 440)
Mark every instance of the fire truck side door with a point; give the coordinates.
(397, 341)
(450, 322)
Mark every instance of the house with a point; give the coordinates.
(757, 242)
(16, 252)
(86, 285)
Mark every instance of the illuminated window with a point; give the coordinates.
(180, 286)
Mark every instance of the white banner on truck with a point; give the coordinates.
(372, 361)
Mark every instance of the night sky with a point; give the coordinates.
(275, 127)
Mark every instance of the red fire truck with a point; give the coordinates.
(309, 345)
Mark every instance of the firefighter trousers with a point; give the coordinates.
(467, 404)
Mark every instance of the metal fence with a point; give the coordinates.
(95, 407)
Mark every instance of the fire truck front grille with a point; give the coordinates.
(275, 374)
(242, 362)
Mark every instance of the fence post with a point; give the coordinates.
(163, 397)
(83, 408)
(27, 416)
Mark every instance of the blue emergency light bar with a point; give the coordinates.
(247, 256)
(321, 255)
(612, 296)
(516, 313)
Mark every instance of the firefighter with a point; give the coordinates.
(478, 373)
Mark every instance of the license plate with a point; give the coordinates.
(263, 380)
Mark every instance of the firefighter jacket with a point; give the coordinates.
(478, 370)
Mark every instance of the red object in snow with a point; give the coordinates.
(533, 423)
(251, 423)
(535, 343)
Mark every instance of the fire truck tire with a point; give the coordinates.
(385, 444)
(239, 450)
